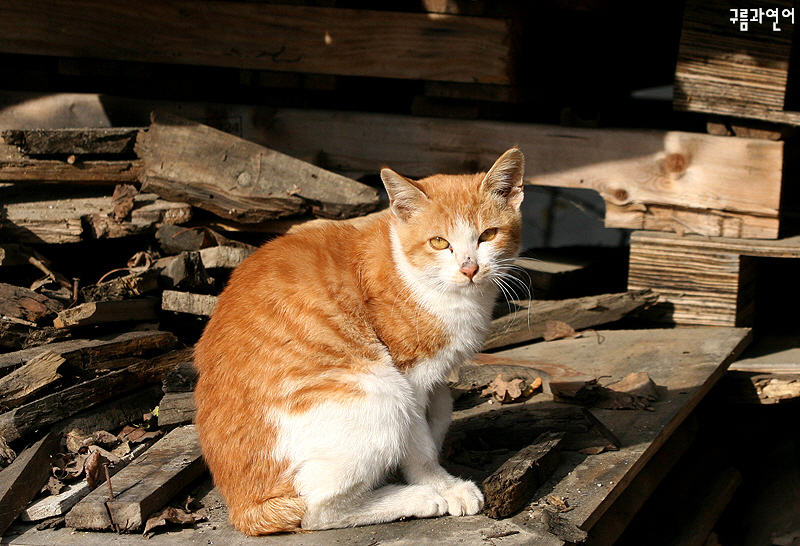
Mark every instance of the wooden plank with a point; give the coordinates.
(263, 36)
(528, 321)
(176, 408)
(22, 479)
(17, 167)
(143, 486)
(73, 219)
(94, 140)
(49, 409)
(513, 484)
(91, 354)
(240, 180)
(24, 303)
(104, 312)
(715, 283)
(722, 69)
(673, 181)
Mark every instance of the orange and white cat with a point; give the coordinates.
(324, 366)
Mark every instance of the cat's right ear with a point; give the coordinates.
(404, 197)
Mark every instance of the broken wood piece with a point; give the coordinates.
(224, 257)
(121, 288)
(16, 337)
(240, 180)
(25, 304)
(18, 422)
(91, 354)
(60, 504)
(176, 408)
(182, 378)
(27, 380)
(22, 479)
(104, 312)
(529, 320)
(144, 486)
(513, 484)
(92, 140)
(73, 219)
(183, 272)
(185, 302)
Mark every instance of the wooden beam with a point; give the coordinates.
(660, 180)
(240, 180)
(263, 36)
(22, 479)
(104, 312)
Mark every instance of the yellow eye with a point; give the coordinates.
(488, 235)
(439, 244)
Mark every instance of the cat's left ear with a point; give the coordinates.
(504, 179)
(405, 198)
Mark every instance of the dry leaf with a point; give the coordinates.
(171, 515)
(510, 391)
(123, 201)
(556, 329)
(95, 473)
(137, 435)
(54, 486)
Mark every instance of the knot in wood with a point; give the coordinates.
(674, 164)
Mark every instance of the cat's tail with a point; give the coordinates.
(275, 515)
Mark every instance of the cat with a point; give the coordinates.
(324, 365)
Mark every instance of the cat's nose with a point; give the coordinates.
(470, 269)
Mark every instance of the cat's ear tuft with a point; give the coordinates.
(405, 198)
(505, 177)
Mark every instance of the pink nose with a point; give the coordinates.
(469, 270)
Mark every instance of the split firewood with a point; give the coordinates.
(93, 354)
(170, 464)
(224, 257)
(240, 180)
(22, 480)
(27, 380)
(104, 312)
(514, 483)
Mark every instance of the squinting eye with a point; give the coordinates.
(439, 244)
(488, 235)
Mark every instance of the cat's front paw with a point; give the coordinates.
(427, 503)
(463, 498)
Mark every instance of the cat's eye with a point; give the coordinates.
(439, 243)
(488, 235)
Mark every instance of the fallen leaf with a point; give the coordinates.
(556, 329)
(54, 486)
(137, 435)
(123, 201)
(95, 471)
(171, 515)
(510, 391)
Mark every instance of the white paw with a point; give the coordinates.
(427, 502)
(463, 498)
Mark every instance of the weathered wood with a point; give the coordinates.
(17, 167)
(143, 486)
(14, 336)
(49, 409)
(112, 414)
(104, 312)
(722, 69)
(224, 257)
(528, 321)
(23, 303)
(121, 288)
(715, 283)
(183, 272)
(176, 408)
(91, 354)
(94, 140)
(513, 484)
(240, 180)
(671, 181)
(182, 378)
(27, 380)
(185, 302)
(60, 504)
(289, 38)
(21, 481)
(73, 219)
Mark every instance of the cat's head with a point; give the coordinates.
(456, 231)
